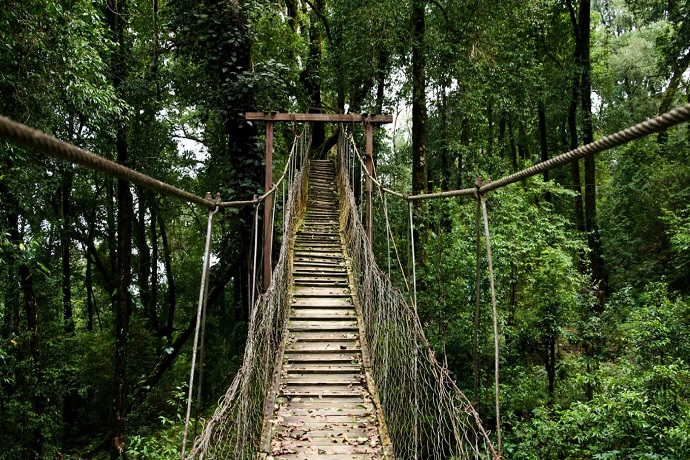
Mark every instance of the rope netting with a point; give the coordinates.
(234, 431)
(427, 416)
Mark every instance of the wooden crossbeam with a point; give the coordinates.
(318, 117)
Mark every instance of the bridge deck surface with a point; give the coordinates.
(323, 407)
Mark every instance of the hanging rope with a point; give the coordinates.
(234, 430)
(478, 295)
(203, 295)
(426, 414)
(202, 349)
(487, 239)
(255, 238)
(414, 264)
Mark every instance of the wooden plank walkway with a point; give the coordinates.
(323, 406)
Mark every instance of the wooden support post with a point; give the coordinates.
(268, 206)
(368, 222)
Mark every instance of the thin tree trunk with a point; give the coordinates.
(490, 127)
(381, 80)
(513, 148)
(65, 244)
(445, 153)
(89, 295)
(523, 147)
(419, 171)
(144, 255)
(572, 128)
(311, 77)
(116, 16)
(172, 294)
(36, 441)
(543, 136)
(670, 93)
(153, 306)
(543, 142)
(593, 237)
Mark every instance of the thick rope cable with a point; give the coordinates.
(203, 291)
(32, 139)
(653, 125)
(497, 391)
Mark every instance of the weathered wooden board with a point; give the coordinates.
(323, 408)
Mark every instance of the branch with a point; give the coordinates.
(324, 21)
(549, 55)
(168, 357)
(449, 25)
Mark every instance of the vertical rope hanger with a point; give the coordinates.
(478, 295)
(414, 291)
(203, 296)
(487, 237)
(256, 244)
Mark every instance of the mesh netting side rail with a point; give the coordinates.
(234, 431)
(427, 416)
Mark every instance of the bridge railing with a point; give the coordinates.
(426, 415)
(235, 429)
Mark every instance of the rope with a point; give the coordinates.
(495, 319)
(203, 291)
(427, 416)
(478, 295)
(32, 139)
(654, 125)
(414, 264)
(234, 431)
(256, 246)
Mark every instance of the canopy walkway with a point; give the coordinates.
(336, 363)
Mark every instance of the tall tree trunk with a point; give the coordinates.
(172, 294)
(443, 133)
(311, 76)
(89, 295)
(144, 256)
(670, 93)
(543, 142)
(502, 123)
(572, 127)
(419, 171)
(513, 148)
(593, 237)
(65, 244)
(116, 16)
(381, 79)
(543, 136)
(490, 123)
(293, 14)
(36, 441)
(523, 146)
(153, 307)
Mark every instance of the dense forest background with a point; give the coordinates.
(99, 279)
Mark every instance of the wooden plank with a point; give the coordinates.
(318, 117)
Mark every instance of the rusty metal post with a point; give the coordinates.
(368, 222)
(268, 207)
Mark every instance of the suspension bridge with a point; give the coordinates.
(336, 363)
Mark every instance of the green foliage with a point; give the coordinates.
(642, 408)
(163, 443)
